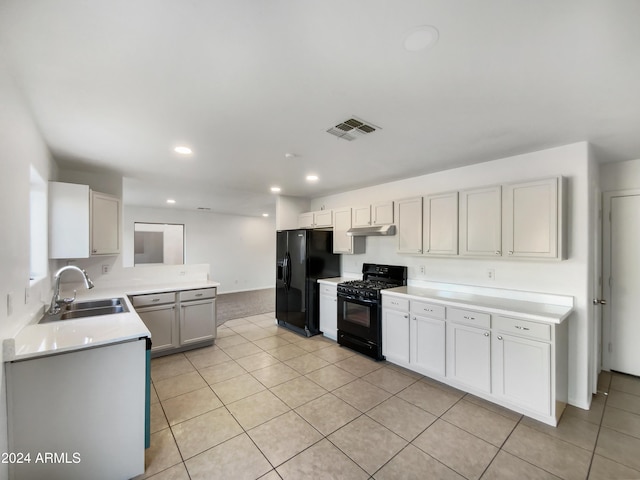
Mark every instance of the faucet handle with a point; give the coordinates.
(69, 300)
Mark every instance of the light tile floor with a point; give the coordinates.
(264, 402)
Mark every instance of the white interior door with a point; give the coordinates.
(622, 282)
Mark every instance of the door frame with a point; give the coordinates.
(606, 269)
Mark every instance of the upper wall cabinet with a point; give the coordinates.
(318, 219)
(343, 243)
(480, 222)
(409, 222)
(375, 214)
(532, 220)
(441, 224)
(81, 222)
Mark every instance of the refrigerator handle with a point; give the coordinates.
(285, 271)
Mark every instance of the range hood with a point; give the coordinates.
(376, 230)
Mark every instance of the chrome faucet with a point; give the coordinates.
(56, 301)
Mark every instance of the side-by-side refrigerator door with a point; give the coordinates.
(282, 306)
(297, 274)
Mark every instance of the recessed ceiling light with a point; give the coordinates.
(420, 38)
(312, 178)
(171, 200)
(182, 150)
(275, 189)
(265, 214)
(290, 155)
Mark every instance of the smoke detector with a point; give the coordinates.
(352, 128)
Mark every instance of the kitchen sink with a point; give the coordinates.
(86, 309)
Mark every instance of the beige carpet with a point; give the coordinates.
(245, 304)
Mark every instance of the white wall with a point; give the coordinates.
(569, 277)
(288, 209)
(620, 176)
(240, 250)
(21, 146)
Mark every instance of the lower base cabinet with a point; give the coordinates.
(427, 350)
(520, 364)
(469, 356)
(178, 320)
(329, 311)
(78, 415)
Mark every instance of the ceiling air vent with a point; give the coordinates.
(352, 128)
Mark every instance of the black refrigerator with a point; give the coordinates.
(302, 257)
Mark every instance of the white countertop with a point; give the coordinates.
(531, 310)
(331, 281)
(36, 340)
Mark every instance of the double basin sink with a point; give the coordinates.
(91, 308)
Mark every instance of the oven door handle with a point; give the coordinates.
(357, 300)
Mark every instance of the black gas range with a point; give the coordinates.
(360, 307)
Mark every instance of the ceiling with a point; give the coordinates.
(118, 84)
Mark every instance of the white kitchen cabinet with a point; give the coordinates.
(329, 311)
(409, 223)
(441, 224)
(361, 216)
(317, 219)
(522, 363)
(480, 230)
(81, 222)
(343, 243)
(87, 407)
(105, 224)
(382, 213)
(427, 333)
(469, 349)
(395, 331)
(197, 316)
(532, 219)
(158, 312)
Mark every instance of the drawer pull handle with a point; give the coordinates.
(469, 318)
(486, 334)
(199, 294)
(521, 328)
(155, 300)
(499, 337)
(428, 310)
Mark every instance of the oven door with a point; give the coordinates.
(359, 318)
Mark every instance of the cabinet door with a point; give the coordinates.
(469, 356)
(342, 243)
(382, 213)
(409, 221)
(323, 218)
(305, 220)
(161, 322)
(395, 336)
(427, 345)
(481, 222)
(441, 224)
(69, 217)
(197, 321)
(361, 216)
(522, 371)
(105, 224)
(329, 314)
(530, 219)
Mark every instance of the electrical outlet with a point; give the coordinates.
(491, 273)
(423, 270)
(105, 269)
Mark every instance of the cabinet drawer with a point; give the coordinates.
(328, 289)
(395, 303)
(428, 309)
(469, 317)
(523, 328)
(199, 294)
(153, 299)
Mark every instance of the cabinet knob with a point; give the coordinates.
(419, 250)
(498, 252)
(406, 316)
(510, 252)
(486, 334)
(499, 337)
